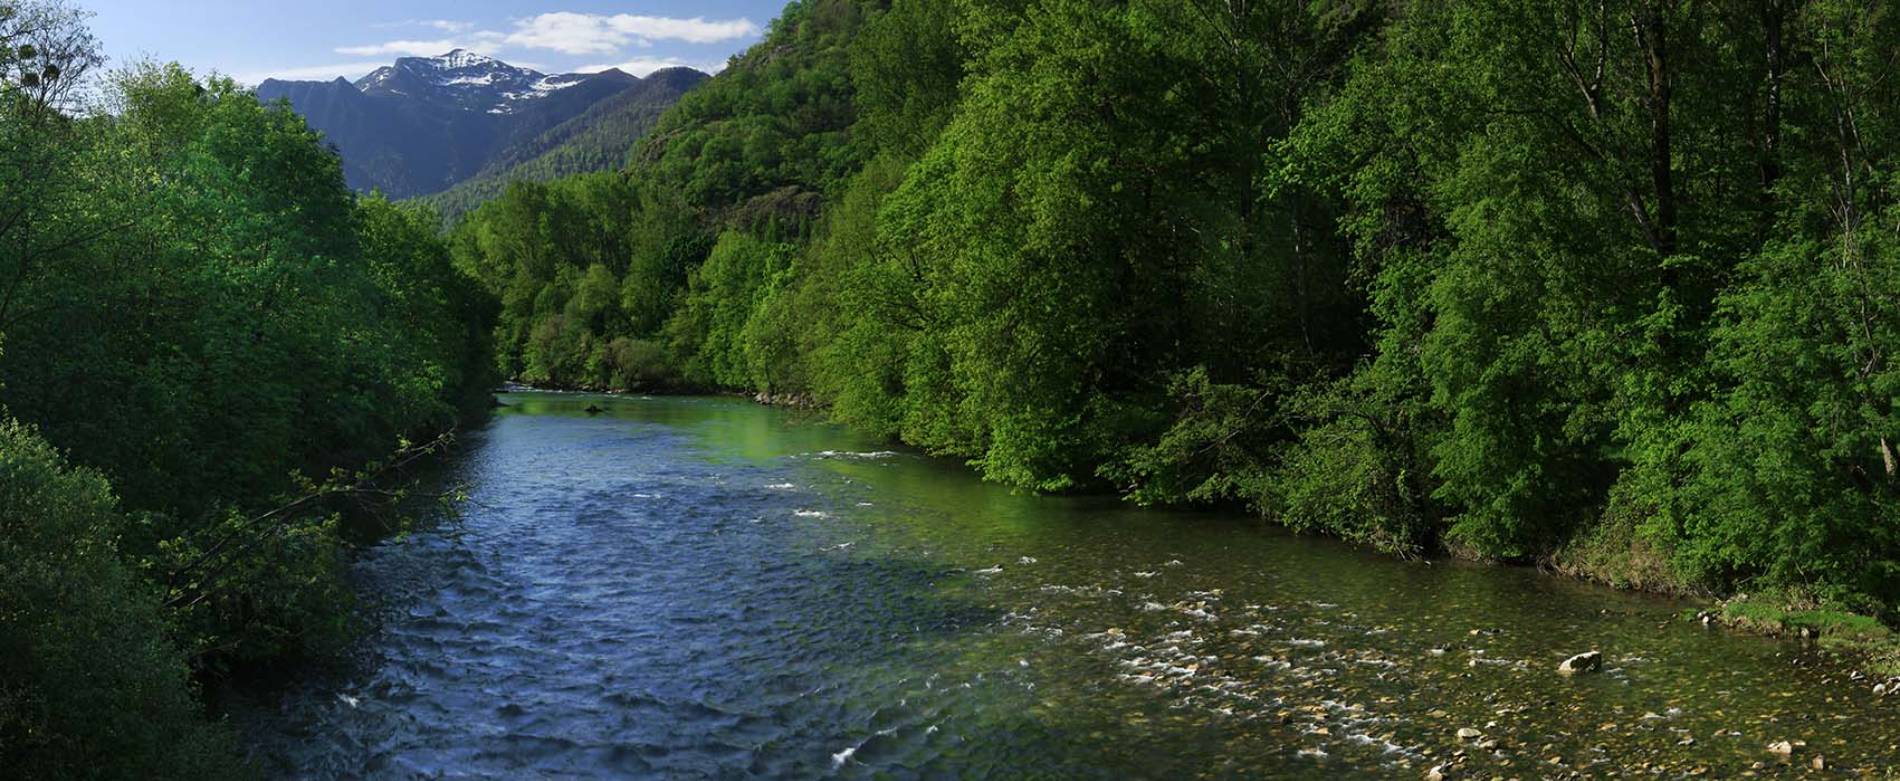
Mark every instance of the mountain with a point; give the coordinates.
(425, 124)
(597, 140)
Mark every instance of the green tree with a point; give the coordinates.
(93, 686)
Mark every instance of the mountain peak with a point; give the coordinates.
(465, 80)
(423, 124)
(463, 58)
(461, 62)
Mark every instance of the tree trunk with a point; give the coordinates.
(1774, 19)
(1653, 33)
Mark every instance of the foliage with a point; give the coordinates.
(1521, 280)
(196, 309)
(93, 686)
(1518, 279)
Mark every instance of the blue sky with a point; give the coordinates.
(251, 40)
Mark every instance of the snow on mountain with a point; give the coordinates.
(425, 124)
(466, 80)
(463, 58)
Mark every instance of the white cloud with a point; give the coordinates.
(644, 66)
(347, 70)
(400, 48)
(449, 26)
(481, 43)
(565, 32)
(694, 30)
(573, 33)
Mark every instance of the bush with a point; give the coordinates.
(639, 363)
(93, 686)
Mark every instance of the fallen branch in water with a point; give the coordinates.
(215, 560)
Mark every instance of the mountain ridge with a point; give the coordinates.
(599, 139)
(423, 125)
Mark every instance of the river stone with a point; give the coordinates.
(1469, 733)
(1582, 663)
(1589, 662)
(1437, 773)
(1783, 748)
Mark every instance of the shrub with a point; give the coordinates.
(93, 686)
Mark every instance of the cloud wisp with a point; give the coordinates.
(345, 70)
(565, 32)
(449, 26)
(571, 33)
(407, 48)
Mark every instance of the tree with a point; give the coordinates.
(93, 687)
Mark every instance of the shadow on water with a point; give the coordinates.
(705, 588)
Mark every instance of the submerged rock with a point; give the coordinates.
(1582, 663)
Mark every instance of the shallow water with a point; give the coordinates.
(705, 588)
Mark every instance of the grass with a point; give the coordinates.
(1823, 624)
(1847, 632)
(1612, 553)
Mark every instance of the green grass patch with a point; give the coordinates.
(1769, 618)
(1874, 646)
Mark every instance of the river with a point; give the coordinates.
(707, 588)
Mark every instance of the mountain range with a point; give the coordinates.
(426, 124)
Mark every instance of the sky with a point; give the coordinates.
(251, 40)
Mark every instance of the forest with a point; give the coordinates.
(211, 355)
(1609, 288)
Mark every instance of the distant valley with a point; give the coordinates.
(425, 125)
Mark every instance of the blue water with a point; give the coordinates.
(705, 588)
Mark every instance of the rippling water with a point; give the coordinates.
(704, 588)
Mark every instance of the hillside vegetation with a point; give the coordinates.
(1609, 285)
(205, 338)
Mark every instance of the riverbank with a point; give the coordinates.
(1612, 555)
(801, 401)
(1864, 642)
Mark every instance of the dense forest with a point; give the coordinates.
(1610, 287)
(211, 351)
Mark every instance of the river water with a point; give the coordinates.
(706, 588)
